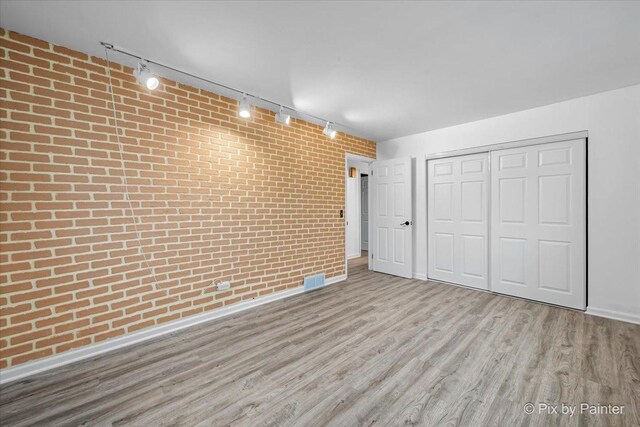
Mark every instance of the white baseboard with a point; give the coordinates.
(41, 365)
(420, 276)
(615, 315)
(335, 279)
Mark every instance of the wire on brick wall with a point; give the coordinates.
(124, 177)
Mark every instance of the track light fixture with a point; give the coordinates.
(244, 109)
(282, 117)
(329, 130)
(145, 76)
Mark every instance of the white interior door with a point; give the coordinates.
(538, 233)
(458, 219)
(353, 217)
(364, 213)
(391, 206)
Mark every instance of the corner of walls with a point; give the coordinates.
(611, 118)
(615, 315)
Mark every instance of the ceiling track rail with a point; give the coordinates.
(263, 102)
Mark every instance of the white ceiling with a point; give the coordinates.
(383, 69)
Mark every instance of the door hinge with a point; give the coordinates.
(371, 255)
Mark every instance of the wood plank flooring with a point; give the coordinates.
(374, 350)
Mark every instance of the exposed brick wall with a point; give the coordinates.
(218, 197)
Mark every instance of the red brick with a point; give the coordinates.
(214, 197)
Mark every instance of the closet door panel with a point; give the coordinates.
(538, 225)
(458, 219)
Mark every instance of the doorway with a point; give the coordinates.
(364, 212)
(356, 214)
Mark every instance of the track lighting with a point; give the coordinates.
(244, 109)
(145, 77)
(282, 118)
(329, 130)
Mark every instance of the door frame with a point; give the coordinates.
(512, 144)
(362, 177)
(502, 146)
(359, 158)
(353, 219)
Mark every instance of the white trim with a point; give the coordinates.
(331, 281)
(358, 157)
(615, 315)
(354, 198)
(361, 188)
(420, 276)
(599, 312)
(38, 366)
(512, 144)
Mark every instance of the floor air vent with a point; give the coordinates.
(314, 282)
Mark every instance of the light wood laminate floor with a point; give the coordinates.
(374, 350)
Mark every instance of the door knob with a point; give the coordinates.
(406, 223)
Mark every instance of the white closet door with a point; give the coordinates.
(458, 219)
(538, 223)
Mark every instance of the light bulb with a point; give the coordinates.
(282, 118)
(244, 109)
(329, 130)
(145, 77)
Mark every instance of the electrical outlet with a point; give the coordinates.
(224, 286)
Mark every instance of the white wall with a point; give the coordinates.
(363, 167)
(613, 122)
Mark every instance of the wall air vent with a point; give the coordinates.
(314, 282)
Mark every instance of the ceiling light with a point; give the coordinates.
(329, 130)
(244, 109)
(282, 118)
(145, 77)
